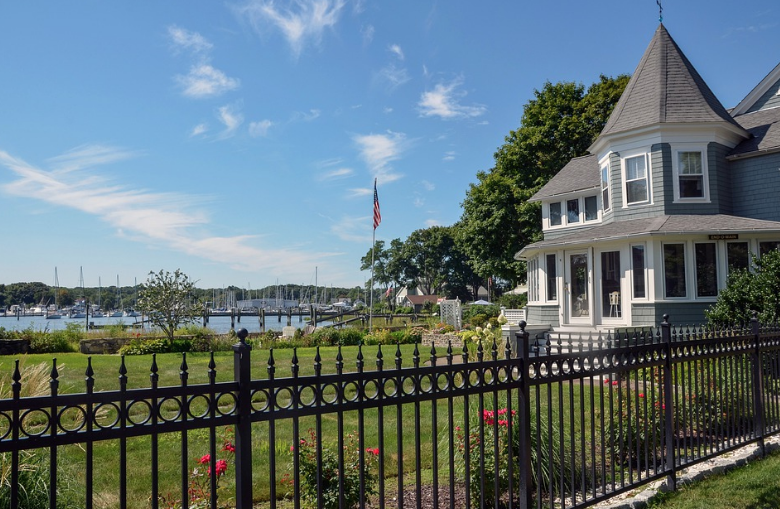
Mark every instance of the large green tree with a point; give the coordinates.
(168, 300)
(558, 124)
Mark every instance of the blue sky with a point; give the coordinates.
(239, 141)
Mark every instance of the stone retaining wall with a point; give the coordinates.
(14, 346)
(442, 340)
(102, 345)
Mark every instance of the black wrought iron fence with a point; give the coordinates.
(565, 423)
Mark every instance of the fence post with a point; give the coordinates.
(243, 457)
(671, 466)
(758, 384)
(524, 410)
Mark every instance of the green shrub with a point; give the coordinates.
(331, 475)
(145, 347)
(404, 311)
(478, 320)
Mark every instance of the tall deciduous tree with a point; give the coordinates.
(559, 123)
(168, 300)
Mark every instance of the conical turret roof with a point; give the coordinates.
(665, 88)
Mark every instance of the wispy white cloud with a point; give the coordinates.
(173, 221)
(259, 129)
(301, 22)
(357, 192)
(397, 51)
(353, 229)
(418, 202)
(443, 102)
(337, 174)
(750, 29)
(387, 109)
(87, 156)
(368, 34)
(203, 80)
(379, 150)
(432, 222)
(231, 119)
(428, 186)
(198, 130)
(392, 76)
(183, 39)
(305, 116)
(449, 156)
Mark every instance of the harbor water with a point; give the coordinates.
(219, 324)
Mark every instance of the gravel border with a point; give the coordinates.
(638, 499)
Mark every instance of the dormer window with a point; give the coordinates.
(690, 175)
(636, 179)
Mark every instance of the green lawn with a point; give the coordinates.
(753, 486)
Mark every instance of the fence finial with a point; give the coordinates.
(242, 335)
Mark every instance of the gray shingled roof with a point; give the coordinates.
(764, 126)
(662, 225)
(665, 88)
(579, 174)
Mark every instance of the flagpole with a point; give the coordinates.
(371, 299)
(377, 217)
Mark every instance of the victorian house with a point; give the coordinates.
(676, 192)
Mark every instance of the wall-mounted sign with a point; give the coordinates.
(729, 236)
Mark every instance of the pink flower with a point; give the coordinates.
(205, 459)
(221, 467)
(606, 380)
(615, 382)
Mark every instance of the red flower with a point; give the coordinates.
(205, 459)
(229, 447)
(221, 467)
(374, 451)
(615, 382)
(641, 394)
(606, 380)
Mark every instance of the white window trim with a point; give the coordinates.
(648, 177)
(676, 149)
(564, 212)
(605, 206)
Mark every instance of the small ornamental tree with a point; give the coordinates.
(168, 301)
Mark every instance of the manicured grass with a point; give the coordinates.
(754, 486)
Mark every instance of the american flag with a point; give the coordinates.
(377, 214)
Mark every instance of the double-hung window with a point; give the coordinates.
(691, 177)
(636, 179)
(605, 187)
(690, 174)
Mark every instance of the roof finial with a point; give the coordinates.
(660, 11)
